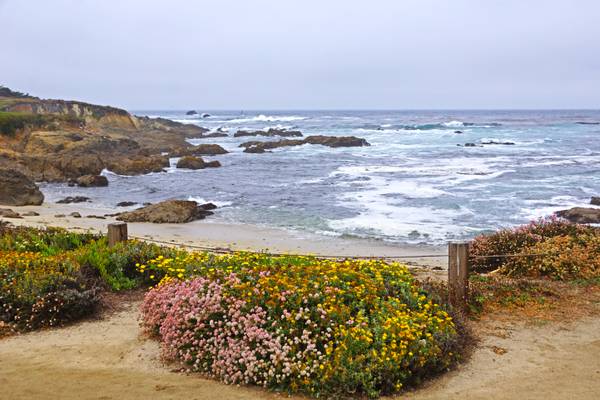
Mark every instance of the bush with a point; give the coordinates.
(525, 239)
(564, 258)
(40, 291)
(299, 324)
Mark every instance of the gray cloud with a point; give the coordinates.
(305, 54)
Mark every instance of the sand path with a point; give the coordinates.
(107, 359)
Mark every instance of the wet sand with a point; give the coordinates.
(233, 236)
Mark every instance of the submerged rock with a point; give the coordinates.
(74, 199)
(581, 215)
(92, 181)
(18, 190)
(329, 141)
(205, 115)
(170, 211)
(507, 143)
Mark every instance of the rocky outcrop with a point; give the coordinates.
(18, 190)
(8, 213)
(269, 133)
(58, 141)
(208, 150)
(192, 112)
(92, 181)
(137, 165)
(581, 215)
(330, 141)
(595, 201)
(73, 199)
(170, 211)
(190, 162)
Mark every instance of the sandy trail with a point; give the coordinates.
(107, 359)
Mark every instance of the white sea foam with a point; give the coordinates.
(217, 203)
(267, 118)
(454, 124)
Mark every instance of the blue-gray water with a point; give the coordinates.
(414, 184)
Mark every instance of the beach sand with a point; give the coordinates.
(110, 359)
(233, 236)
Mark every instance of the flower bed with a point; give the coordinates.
(297, 324)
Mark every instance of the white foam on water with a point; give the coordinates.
(267, 118)
(217, 203)
(454, 124)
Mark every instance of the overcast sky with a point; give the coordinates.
(305, 54)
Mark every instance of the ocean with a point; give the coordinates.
(414, 184)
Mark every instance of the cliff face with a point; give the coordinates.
(57, 140)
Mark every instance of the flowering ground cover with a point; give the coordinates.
(298, 324)
(548, 247)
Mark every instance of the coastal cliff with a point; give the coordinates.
(59, 140)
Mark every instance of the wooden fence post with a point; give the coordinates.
(458, 274)
(117, 232)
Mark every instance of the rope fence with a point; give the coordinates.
(458, 255)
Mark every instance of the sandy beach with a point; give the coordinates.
(232, 236)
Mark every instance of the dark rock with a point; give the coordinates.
(170, 211)
(329, 141)
(59, 216)
(458, 131)
(581, 215)
(191, 162)
(212, 135)
(208, 150)
(8, 213)
(126, 204)
(18, 190)
(191, 112)
(96, 216)
(587, 123)
(75, 214)
(212, 164)
(74, 199)
(92, 181)
(595, 201)
(30, 214)
(208, 206)
(508, 143)
(205, 115)
(269, 133)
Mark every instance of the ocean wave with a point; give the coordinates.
(454, 124)
(217, 203)
(267, 118)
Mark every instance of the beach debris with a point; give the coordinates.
(581, 215)
(74, 199)
(92, 181)
(17, 189)
(169, 211)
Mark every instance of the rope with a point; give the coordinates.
(219, 250)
